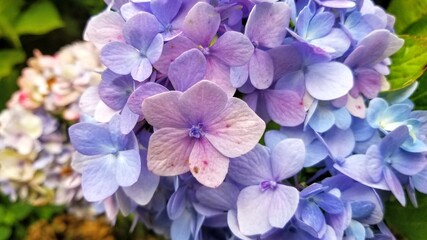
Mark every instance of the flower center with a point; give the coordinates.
(204, 50)
(196, 131)
(255, 43)
(266, 185)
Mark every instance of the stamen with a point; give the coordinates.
(196, 131)
(266, 185)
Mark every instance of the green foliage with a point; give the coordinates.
(18, 18)
(408, 13)
(5, 232)
(408, 222)
(9, 58)
(8, 86)
(409, 63)
(39, 18)
(420, 96)
(15, 217)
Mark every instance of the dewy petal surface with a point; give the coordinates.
(208, 165)
(169, 151)
(236, 130)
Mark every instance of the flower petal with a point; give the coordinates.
(253, 208)
(394, 185)
(222, 198)
(120, 57)
(327, 81)
(186, 70)
(261, 69)
(203, 102)
(142, 70)
(233, 48)
(115, 89)
(162, 110)
(219, 73)
(143, 189)
(239, 75)
(141, 93)
(165, 10)
(169, 151)
(267, 24)
(128, 120)
(208, 165)
(285, 107)
(98, 179)
(154, 51)
(394, 140)
(104, 28)
(172, 50)
(236, 130)
(252, 168)
(201, 23)
(355, 168)
(91, 139)
(140, 30)
(287, 158)
(128, 167)
(283, 205)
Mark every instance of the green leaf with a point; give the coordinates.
(407, 12)
(9, 58)
(7, 86)
(409, 63)
(420, 96)
(10, 9)
(39, 18)
(20, 210)
(419, 28)
(47, 212)
(5, 232)
(408, 222)
(8, 31)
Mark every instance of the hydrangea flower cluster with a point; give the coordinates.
(35, 153)
(173, 132)
(55, 83)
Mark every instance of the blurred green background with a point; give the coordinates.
(48, 25)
